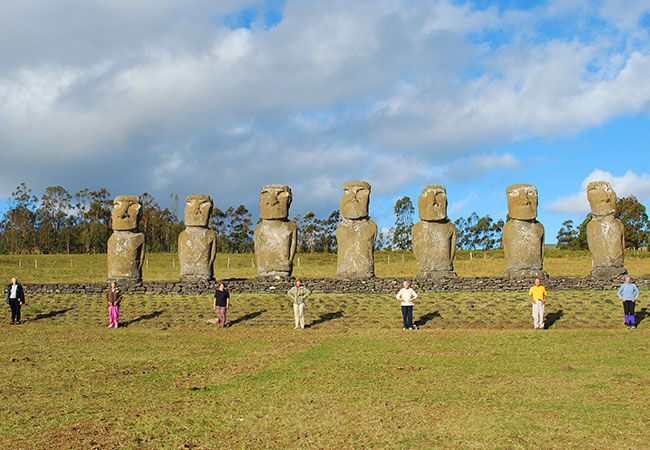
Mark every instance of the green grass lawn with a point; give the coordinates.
(473, 376)
(164, 266)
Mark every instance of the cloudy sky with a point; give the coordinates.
(222, 97)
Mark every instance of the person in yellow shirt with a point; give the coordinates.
(537, 296)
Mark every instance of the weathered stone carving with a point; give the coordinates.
(356, 233)
(126, 246)
(434, 236)
(197, 244)
(523, 236)
(605, 233)
(275, 235)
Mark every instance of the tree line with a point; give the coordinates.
(61, 222)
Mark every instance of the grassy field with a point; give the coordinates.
(474, 375)
(164, 266)
(68, 387)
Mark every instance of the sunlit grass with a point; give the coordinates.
(165, 267)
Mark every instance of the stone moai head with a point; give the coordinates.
(432, 204)
(602, 198)
(355, 200)
(275, 200)
(522, 201)
(197, 210)
(127, 211)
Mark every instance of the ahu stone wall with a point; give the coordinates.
(328, 285)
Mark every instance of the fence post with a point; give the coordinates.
(229, 262)
(470, 256)
(174, 262)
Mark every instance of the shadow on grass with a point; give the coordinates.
(50, 314)
(641, 315)
(553, 317)
(246, 317)
(326, 318)
(426, 318)
(149, 316)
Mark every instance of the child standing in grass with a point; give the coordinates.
(113, 298)
(406, 295)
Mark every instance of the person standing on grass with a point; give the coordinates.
(629, 293)
(406, 295)
(113, 298)
(537, 294)
(15, 299)
(221, 304)
(298, 294)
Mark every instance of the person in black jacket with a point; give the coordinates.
(15, 299)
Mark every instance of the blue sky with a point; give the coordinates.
(220, 98)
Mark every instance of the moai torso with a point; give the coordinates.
(126, 245)
(275, 246)
(523, 244)
(197, 248)
(605, 236)
(197, 244)
(356, 234)
(356, 243)
(125, 255)
(275, 236)
(605, 233)
(434, 245)
(434, 236)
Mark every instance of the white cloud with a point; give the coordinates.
(628, 184)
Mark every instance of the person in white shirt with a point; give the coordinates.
(15, 299)
(406, 295)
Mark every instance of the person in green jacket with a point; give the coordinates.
(298, 294)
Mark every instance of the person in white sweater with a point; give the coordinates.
(406, 295)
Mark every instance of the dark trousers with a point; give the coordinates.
(628, 308)
(407, 316)
(14, 304)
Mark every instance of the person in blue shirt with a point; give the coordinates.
(629, 293)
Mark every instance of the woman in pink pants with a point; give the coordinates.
(113, 297)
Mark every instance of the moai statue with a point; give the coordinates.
(126, 245)
(275, 235)
(356, 233)
(605, 233)
(197, 244)
(523, 236)
(434, 236)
